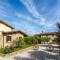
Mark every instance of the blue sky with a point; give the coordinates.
(31, 16)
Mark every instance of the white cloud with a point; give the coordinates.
(40, 20)
(31, 30)
(3, 9)
(32, 9)
(3, 12)
(29, 5)
(27, 18)
(46, 25)
(30, 19)
(43, 22)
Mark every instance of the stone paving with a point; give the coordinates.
(41, 54)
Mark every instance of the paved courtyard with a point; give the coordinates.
(35, 54)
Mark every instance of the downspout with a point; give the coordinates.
(3, 41)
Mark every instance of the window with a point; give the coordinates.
(46, 35)
(8, 38)
(20, 37)
(52, 34)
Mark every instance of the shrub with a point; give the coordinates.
(30, 40)
(45, 39)
(18, 42)
(1, 50)
(5, 50)
(27, 40)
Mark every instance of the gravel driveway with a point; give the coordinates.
(41, 54)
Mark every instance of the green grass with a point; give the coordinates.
(25, 46)
(9, 50)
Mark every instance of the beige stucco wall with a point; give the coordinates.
(1, 40)
(4, 28)
(52, 37)
(13, 37)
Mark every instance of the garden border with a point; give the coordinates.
(16, 52)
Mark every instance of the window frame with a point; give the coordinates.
(8, 39)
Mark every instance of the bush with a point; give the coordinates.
(45, 39)
(30, 40)
(5, 50)
(18, 42)
(27, 40)
(1, 50)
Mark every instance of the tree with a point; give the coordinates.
(58, 26)
(31, 40)
(45, 39)
(58, 36)
(18, 42)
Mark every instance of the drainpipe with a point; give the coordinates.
(3, 41)
(2, 38)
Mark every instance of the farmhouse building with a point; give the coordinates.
(52, 35)
(8, 34)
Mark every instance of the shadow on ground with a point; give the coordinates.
(39, 55)
(23, 58)
(53, 51)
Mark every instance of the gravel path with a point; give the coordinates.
(40, 54)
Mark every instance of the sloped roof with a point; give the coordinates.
(15, 31)
(12, 31)
(49, 33)
(1, 21)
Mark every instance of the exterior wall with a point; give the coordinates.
(1, 40)
(13, 37)
(4, 28)
(52, 37)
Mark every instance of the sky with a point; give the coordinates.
(31, 16)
